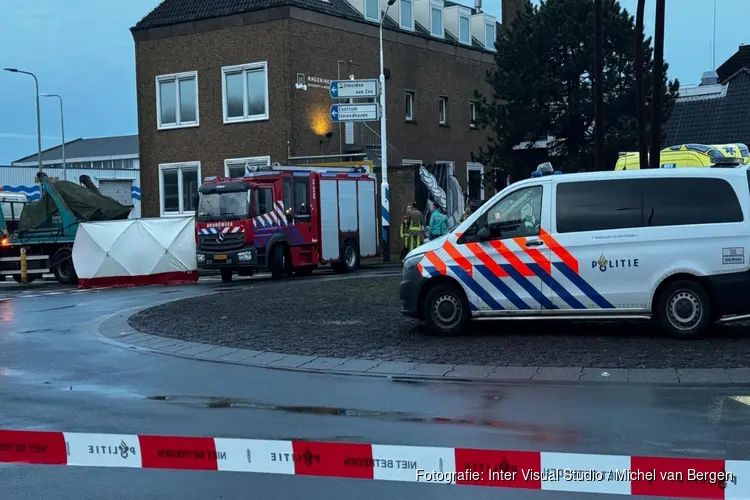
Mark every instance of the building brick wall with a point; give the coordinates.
(295, 41)
(212, 142)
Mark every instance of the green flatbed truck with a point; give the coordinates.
(46, 228)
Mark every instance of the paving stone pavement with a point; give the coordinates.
(117, 329)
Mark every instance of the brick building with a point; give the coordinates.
(229, 82)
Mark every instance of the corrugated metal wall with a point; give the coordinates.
(21, 179)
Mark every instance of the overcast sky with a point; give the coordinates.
(82, 49)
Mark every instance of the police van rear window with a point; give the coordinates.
(631, 203)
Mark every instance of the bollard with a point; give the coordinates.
(24, 269)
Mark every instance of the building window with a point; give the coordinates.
(238, 167)
(178, 187)
(489, 33)
(473, 114)
(443, 110)
(436, 21)
(409, 98)
(475, 181)
(177, 100)
(406, 15)
(245, 92)
(372, 10)
(464, 30)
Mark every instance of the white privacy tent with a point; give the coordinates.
(136, 252)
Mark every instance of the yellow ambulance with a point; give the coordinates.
(691, 155)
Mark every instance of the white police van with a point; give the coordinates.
(669, 245)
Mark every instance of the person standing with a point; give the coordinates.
(438, 222)
(405, 234)
(466, 215)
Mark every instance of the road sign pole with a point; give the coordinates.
(385, 216)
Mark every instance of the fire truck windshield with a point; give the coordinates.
(224, 205)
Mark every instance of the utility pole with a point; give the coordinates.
(38, 115)
(598, 88)
(658, 76)
(385, 216)
(640, 91)
(62, 131)
(338, 77)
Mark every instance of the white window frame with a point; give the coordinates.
(243, 68)
(443, 103)
(364, 6)
(176, 77)
(179, 167)
(401, 14)
(433, 7)
(490, 44)
(468, 33)
(473, 114)
(254, 160)
(475, 167)
(410, 94)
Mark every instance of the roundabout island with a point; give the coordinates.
(360, 319)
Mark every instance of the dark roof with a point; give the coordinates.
(739, 60)
(719, 119)
(170, 12)
(124, 145)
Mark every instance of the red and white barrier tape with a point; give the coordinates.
(572, 472)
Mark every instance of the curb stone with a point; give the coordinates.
(116, 328)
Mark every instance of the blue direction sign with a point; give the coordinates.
(365, 112)
(353, 89)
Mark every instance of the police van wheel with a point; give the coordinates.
(684, 310)
(446, 310)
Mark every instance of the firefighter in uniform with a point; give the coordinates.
(411, 230)
(466, 215)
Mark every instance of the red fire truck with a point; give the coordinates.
(286, 219)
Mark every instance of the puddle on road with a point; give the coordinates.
(534, 432)
(56, 308)
(104, 390)
(48, 379)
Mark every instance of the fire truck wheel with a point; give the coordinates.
(226, 275)
(62, 267)
(446, 309)
(350, 262)
(276, 262)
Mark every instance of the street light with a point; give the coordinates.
(38, 120)
(62, 130)
(384, 203)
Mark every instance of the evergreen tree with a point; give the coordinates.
(541, 86)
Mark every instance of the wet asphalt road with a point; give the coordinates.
(56, 373)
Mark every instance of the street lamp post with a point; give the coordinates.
(62, 131)
(385, 215)
(38, 117)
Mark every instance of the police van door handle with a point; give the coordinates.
(534, 243)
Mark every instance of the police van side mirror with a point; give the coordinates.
(484, 234)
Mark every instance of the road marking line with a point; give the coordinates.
(571, 472)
